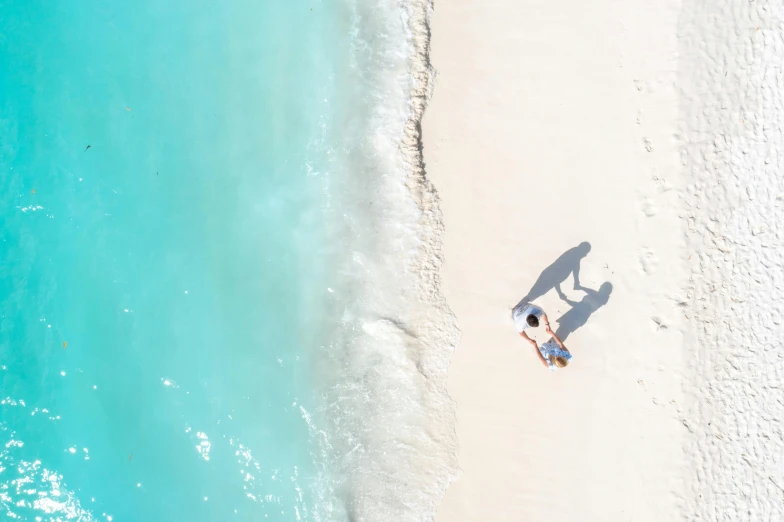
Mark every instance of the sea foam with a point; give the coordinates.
(385, 427)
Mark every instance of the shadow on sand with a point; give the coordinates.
(558, 272)
(551, 277)
(582, 310)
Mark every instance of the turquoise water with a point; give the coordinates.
(218, 264)
(159, 283)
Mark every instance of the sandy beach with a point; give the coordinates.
(550, 127)
(650, 132)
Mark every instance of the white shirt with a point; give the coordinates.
(522, 311)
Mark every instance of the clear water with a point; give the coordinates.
(173, 256)
(211, 295)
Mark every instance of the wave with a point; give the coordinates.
(385, 426)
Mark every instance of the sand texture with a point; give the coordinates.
(731, 79)
(550, 127)
(649, 131)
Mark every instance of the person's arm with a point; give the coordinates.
(541, 357)
(525, 336)
(555, 337)
(536, 348)
(545, 320)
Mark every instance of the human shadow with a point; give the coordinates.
(551, 277)
(581, 310)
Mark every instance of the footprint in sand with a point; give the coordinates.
(648, 262)
(663, 184)
(659, 322)
(648, 207)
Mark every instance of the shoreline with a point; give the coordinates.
(569, 120)
(388, 437)
(436, 328)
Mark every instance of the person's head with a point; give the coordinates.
(558, 361)
(532, 321)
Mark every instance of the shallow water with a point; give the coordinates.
(157, 223)
(212, 304)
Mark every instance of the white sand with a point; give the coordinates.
(554, 123)
(733, 115)
(652, 130)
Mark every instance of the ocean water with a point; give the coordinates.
(218, 275)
